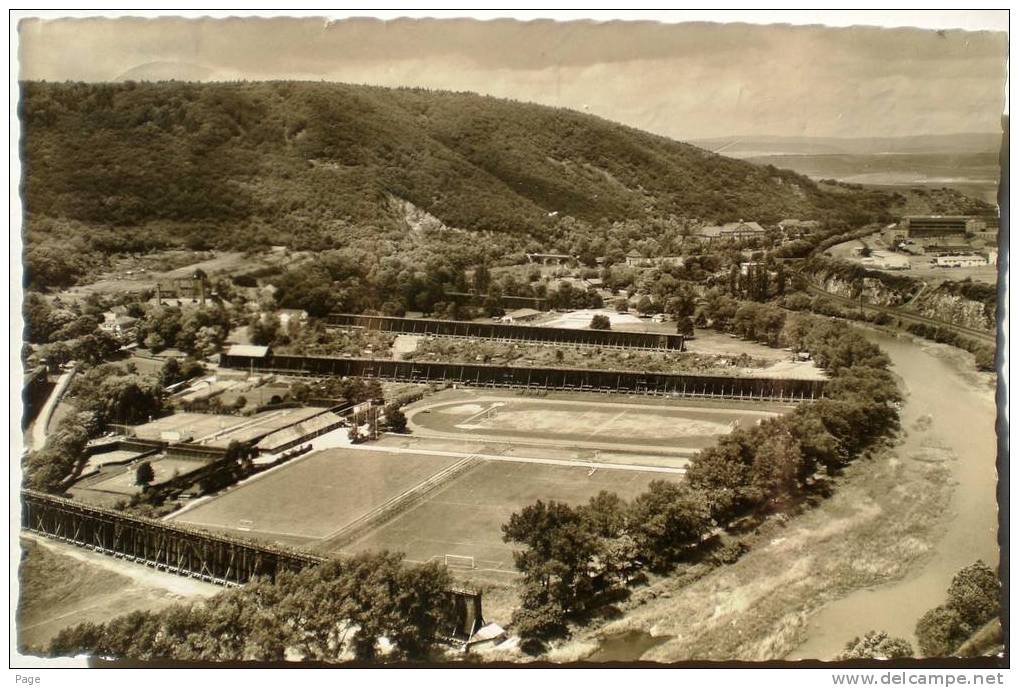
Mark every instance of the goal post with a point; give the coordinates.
(459, 561)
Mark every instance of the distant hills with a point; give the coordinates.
(130, 167)
(316, 154)
(166, 71)
(757, 146)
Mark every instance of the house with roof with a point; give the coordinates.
(121, 326)
(288, 316)
(797, 229)
(520, 315)
(634, 259)
(730, 232)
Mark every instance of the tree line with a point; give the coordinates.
(575, 557)
(334, 612)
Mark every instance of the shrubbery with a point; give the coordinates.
(974, 598)
(574, 555)
(332, 612)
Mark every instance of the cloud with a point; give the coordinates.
(681, 80)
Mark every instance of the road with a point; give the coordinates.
(41, 424)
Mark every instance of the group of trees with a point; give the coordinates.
(174, 371)
(571, 555)
(104, 394)
(113, 393)
(974, 599)
(755, 282)
(57, 333)
(336, 611)
(199, 331)
(876, 645)
(351, 390)
(48, 467)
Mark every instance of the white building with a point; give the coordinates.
(960, 261)
(120, 326)
(884, 260)
(520, 315)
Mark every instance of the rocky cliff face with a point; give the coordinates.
(948, 302)
(874, 290)
(941, 304)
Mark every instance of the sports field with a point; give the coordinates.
(507, 417)
(163, 468)
(314, 496)
(104, 458)
(465, 516)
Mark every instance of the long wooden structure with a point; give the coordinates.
(194, 553)
(162, 545)
(525, 334)
(564, 379)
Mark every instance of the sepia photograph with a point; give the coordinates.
(510, 339)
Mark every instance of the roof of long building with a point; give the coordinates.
(248, 350)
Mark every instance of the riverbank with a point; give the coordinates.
(899, 524)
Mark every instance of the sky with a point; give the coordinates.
(686, 80)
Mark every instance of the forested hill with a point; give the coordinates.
(295, 161)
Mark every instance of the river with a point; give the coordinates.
(962, 420)
(961, 415)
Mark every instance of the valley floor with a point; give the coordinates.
(876, 555)
(62, 585)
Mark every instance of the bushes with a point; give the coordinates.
(876, 645)
(572, 555)
(940, 631)
(331, 612)
(974, 598)
(985, 354)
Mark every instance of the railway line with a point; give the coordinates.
(907, 316)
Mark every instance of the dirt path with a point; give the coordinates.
(42, 422)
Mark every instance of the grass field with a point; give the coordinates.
(601, 422)
(314, 496)
(61, 585)
(164, 469)
(465, 516)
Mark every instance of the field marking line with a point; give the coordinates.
(606, 424)
(613, 448)
(529, 459)
(201, 501)
(479, 413)
(616, 404)
(435, 480)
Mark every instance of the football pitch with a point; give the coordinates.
(464, 518)
(314, 496)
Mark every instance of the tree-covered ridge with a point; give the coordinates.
(304, 163)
